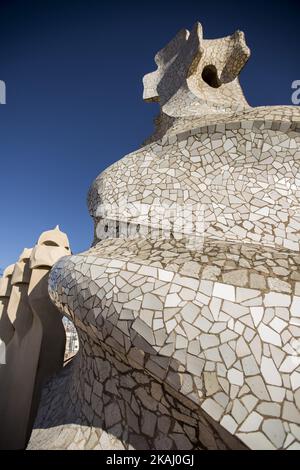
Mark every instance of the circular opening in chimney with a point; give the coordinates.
(210, 76)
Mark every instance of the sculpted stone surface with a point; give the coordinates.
(32, 332)
(6, 328)
(187, 304)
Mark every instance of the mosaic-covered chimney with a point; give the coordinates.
(187, 305)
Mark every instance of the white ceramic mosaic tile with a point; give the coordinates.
(189, 331)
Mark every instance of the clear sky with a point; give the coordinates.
(73, 72)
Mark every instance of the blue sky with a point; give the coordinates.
(73, 72)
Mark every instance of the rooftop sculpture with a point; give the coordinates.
(33, 334)
(198, 77)
(187, 305)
